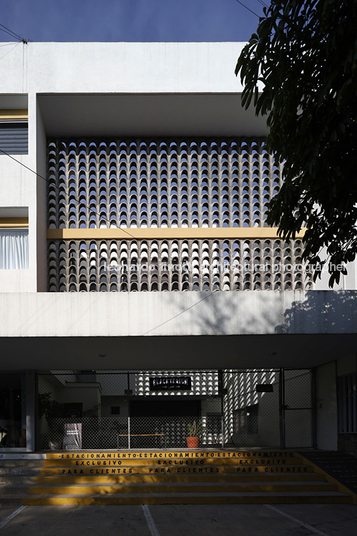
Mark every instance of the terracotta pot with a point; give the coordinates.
(192, 442)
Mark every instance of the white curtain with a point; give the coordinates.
(14, 251)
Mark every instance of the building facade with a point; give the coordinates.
(141, 289)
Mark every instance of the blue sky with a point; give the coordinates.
(130, 20)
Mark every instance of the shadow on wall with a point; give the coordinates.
(250, 313)
(321, 312)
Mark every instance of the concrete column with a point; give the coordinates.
(326, 395)
(30, 410)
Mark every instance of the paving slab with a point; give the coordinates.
(6, 510)
(254, 520)
(178, 520)
(333, 519)
(75, 520)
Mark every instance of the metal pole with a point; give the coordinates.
(129, 433)
(221, 392)
(314, 408)
(282, 408)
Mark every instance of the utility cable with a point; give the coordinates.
(246, 7)
(13, 34)
(263, 3)
(13, 48)
(7, 44)
(122, 229)
(181, 313)
(91, 211)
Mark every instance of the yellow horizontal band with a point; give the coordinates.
(13, 114)
(13, 222)
(161, 233)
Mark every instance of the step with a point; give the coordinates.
(15, 489)
(11, 480)
(20, 471)
(180, 488)
(167, 477)
(9, 464)
(171, 461)
(194, 453)
(177, 469)
(327, 497)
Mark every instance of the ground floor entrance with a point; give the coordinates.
(152, 409)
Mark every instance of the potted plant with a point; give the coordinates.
(195, 429)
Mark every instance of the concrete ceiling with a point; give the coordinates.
(190, 352)
(137, 115)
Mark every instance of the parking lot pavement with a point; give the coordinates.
(6, 510)
(181, 520)
(78, 520)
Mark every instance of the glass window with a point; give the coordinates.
(14, 136)
(14, 249)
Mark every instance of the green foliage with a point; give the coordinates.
(303, 61)
(195, 428)
(51, 409)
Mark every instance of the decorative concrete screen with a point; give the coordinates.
(194, 203)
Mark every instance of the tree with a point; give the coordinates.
(300, 69)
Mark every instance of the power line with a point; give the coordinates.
(46, 180)
(263, 3)
(179, 314)
(246, 7)
(7, 44)
(16, 45)
(124, 230)
(7, 30)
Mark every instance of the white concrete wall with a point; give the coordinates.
(41, 203)
(326, 406)
(18, 189)
(95, 68)
(347, 282)
(161, 313)
(121, 68)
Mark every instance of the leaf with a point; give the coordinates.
(307, 64)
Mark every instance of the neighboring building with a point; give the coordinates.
(140, 287)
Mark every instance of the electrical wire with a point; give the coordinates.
(263, 3)
(7, 44)
(12, 34)
(16, 45)
(9, 32)
(246, 7)
(91, 211)
(181, 313)
(122, 229)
